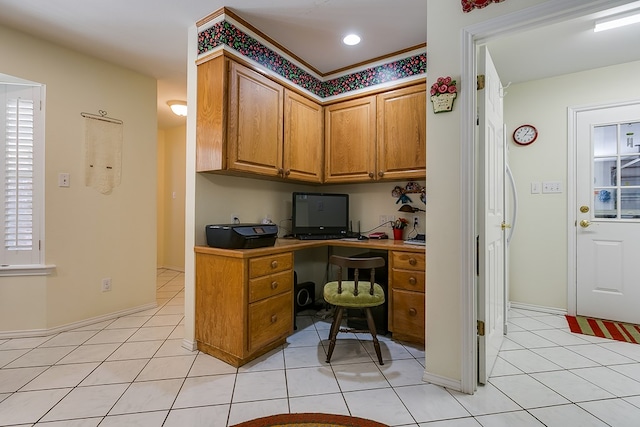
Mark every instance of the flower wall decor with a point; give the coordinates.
(443, 92)
(469, 5)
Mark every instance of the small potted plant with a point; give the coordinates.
(398, 228)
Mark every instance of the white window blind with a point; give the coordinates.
(20, 174)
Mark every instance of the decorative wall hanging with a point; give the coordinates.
(469, 5)
(411, 187)
(443, 93)
(103, 151)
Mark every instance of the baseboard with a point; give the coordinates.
(168, 267)
(442, 381)
(189, 345)
(29, 333)
(539, 308)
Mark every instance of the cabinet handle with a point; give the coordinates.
(280, 171)
(412, 312)
(380, 174)
(274, 318)
(412, 280)
(371, 175)
(274, 285)
(287, 172)
(274, 264)
(412, 261)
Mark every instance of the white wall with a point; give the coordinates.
(538, 251)
(171, 197)
(445, 20)
(89, 236)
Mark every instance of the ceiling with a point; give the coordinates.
(150, 36)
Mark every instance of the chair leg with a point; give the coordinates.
(372, 330)
(335, 327)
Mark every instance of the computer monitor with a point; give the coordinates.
(319, 214)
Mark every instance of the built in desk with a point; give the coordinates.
(244, 297)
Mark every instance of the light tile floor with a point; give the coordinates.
(133, 371)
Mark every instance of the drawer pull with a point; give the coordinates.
(412, 261)
(412, 312)
(274, 285)
(412, 280)
(274, 318)
(274, 264)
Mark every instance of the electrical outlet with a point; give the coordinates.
(416, 221)
(235, 219)
(63, 180)
(386, 219)
(106, 284)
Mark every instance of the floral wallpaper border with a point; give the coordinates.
(225, 33)
(469, 5)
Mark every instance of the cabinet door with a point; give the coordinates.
(402, 128)
(255, 122)
(350, 140)
(211, 117)
(303, 138)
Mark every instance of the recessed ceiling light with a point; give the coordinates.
(617, 21)
(351, 39)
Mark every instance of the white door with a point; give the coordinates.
(608, 212)
(491, 173)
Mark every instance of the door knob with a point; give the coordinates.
(584, 223)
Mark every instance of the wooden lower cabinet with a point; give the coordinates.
(244, 306)
(407, 296)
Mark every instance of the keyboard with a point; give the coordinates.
(418, 240)
(319, 236)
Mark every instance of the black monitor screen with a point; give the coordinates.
(320, 213)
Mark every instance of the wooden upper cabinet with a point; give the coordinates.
(248, 124)
(303, 155)
(402, 127)
(255, 122)
(211, 115)
(350, 141)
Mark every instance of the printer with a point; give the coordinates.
(241, 236)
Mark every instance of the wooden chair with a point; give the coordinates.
(345, 294)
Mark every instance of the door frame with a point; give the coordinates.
(572, 197)
(533, 17)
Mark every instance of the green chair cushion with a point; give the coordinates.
(347, 299)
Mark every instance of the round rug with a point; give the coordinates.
(310, 420)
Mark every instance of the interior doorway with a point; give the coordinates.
(479, 34)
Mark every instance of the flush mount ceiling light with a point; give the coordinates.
(616, 21)
(179, 108)
(351, 39)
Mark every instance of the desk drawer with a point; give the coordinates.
(408, 316)
(408, 260)
(408, 279)
(269, 320)
(270, 285)
(270, 264)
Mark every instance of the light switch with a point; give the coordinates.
(535, 187)
(551, 187)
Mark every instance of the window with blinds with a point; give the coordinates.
(21, 187)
